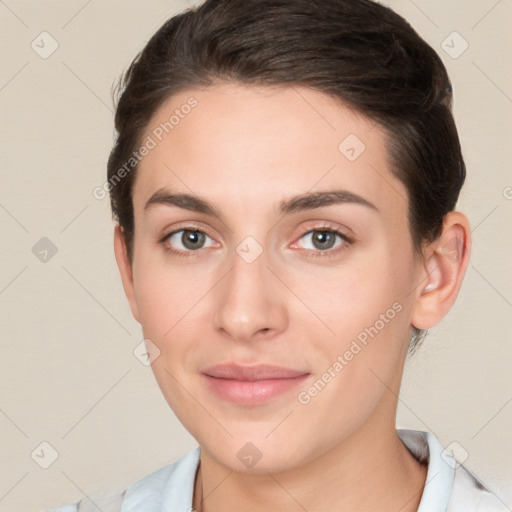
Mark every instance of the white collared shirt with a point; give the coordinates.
(449, 486)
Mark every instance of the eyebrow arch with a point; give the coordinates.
(302, 202)
(185, 201)
(309, 201)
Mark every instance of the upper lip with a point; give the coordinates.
(252, 373)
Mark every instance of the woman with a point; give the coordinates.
(284, 181)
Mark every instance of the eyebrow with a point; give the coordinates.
(302, 202)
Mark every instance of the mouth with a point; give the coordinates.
(251, 385)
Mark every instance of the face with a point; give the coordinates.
(294, 251)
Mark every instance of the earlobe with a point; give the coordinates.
(126, 269)
(442, 272)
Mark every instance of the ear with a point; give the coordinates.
(126, 269)
(442, 272)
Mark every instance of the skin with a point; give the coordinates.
(244, 150)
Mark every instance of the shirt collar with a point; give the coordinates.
(425, 447)
(172, 487)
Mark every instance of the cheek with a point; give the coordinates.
(172, 302)
(367, 308)
(166, 299)
(164, 295)
(355, 296)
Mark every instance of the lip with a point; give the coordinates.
(251, 385)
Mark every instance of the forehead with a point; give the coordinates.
(258, 145)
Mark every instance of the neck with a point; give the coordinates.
(370, 471)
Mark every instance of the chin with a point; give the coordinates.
(258, 456)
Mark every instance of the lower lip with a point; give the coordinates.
(258, 392)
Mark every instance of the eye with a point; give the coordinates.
(186, 240)
(324, 240)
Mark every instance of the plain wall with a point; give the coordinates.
(68, 373)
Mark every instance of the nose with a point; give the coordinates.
(250, 301)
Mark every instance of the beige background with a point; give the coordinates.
(68, 373)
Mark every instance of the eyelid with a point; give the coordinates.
(185, 226)
(331, 252)
(322, 225)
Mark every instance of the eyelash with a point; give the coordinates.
(346, 241)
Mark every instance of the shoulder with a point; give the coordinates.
(170, 487)
(106, 500)
(449, 485)
(471, 495)
(64, 508)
